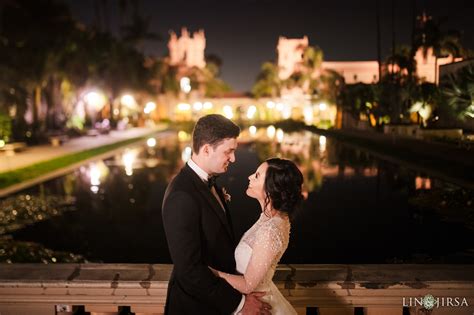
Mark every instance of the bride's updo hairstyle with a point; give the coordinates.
(283, 184)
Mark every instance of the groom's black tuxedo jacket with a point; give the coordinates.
(199, 235)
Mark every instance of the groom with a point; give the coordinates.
(199, 230)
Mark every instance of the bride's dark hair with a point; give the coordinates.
(283, 184)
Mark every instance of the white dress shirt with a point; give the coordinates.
(204, 176)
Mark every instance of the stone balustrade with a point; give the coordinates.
(312, 289)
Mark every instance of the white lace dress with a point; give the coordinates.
(257, 256)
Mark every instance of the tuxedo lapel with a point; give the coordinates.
(222, 197)
(227, 212)
(202, 188)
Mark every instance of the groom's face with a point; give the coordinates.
(220, 157)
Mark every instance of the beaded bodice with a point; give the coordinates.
(261, 248)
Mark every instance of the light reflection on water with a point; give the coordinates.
(359, 209)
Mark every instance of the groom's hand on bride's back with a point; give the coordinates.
(254, 306)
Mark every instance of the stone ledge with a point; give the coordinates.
(379, 289)
(130, 275)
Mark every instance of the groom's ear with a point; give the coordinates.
(205, 149)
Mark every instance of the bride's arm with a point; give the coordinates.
(266, 247)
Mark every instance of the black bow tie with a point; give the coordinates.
(211, 181)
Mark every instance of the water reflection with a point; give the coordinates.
(422, 183)
(308, 115)
(279, 135)
(128, 158)
(21, 210)
(97, 172)
(271, 131)
(117, 203)
(322, 144)
(253, 131)
(27, 252)
(359, 209)
(310, 153)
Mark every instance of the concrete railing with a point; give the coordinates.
(312, 289)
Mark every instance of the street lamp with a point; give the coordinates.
(151, 142)
(129, 106)
(286, 112)
(197, 106)
(184, 107)
(251, 112)
(253, 131)
(128, 100)
(228, 112)
(207, 105)
(95, 102)
(149, 107)
(270, 104)
(308, 115)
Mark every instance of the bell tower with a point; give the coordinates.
(186, 50)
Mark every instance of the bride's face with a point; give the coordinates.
(256, 187)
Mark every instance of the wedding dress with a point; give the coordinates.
(257, 256)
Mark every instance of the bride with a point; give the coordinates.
(276, 184)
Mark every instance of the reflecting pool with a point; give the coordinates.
(358, 208)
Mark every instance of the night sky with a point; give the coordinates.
(244, 33)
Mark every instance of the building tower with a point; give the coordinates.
(187, 51)
(290, 55)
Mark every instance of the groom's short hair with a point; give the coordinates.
(213, 129)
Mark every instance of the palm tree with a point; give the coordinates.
(331, 85)
(330, 89)
(312, 60)
(214, 86)
(167, 76)
(105, 9)
(34, 48)
(138, 31)
(402, 62)
(429, 33)
(379, 41)
(268, 83)
(122, 11)
(305, 76)
(459, 93)
(215, 63)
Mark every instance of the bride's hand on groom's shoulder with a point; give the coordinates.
(254, 306)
